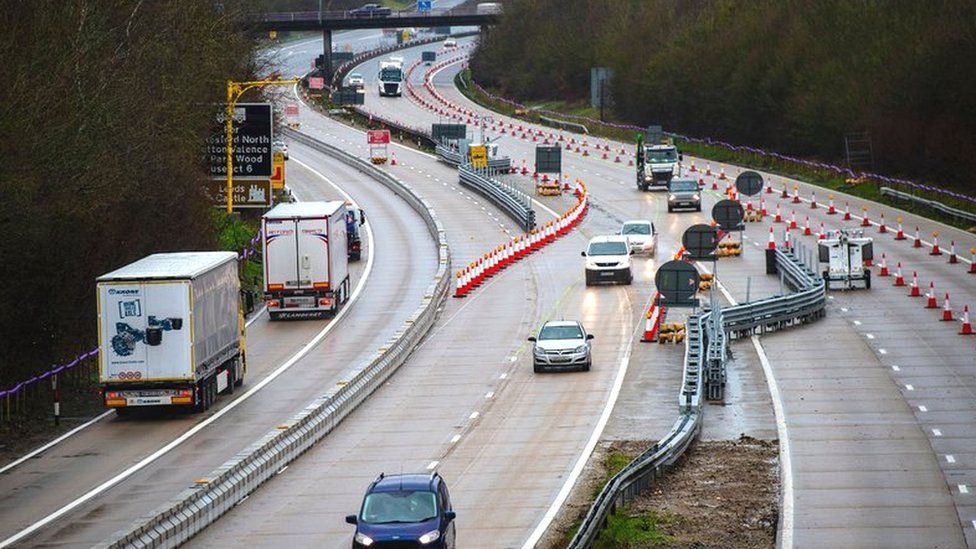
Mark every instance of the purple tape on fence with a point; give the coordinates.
(244, 254)
(46, 375)
(761, 152)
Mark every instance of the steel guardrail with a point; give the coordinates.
(199, 506)
(453, 156)
(508, 198)
(934, 204)
(806, 304)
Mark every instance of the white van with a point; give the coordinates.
(608, 260)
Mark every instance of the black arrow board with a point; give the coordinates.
(749, 183)
(700, 241)
(677, 281)
(728, 214)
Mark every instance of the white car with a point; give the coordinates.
(450, 43)
(641, 235)
(608, 260)
(356, 79)
(280, 146)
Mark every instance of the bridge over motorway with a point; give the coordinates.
(329, 21)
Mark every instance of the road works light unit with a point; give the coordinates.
(234, 92)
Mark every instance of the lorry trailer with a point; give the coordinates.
(306, 261)
(170, 331)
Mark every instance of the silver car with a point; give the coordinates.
(561, 345)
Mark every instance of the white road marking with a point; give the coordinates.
(432, 465)
(869, 336)
(937, 432)
(856, 322)
(455, 438)
(141, 464)
(923, 408)
(882, 351)
(584, 456)
(909, 387)
(490, 394)
(92, 421)
(895, 368)
(504, 375)
(950, 458)
(474, 415)
(963, 489)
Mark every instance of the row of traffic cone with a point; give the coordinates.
(502, 256)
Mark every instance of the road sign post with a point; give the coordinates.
(234, 92)
(379, 142)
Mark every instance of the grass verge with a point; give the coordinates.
(870, 190)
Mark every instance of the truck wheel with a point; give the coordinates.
(274, 316)
(867, 280)
(123, 412)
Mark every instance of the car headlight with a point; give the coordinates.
(430, 537)
(671, 198)
(697, 196)
(538, 351)
(580, 349)
(363, 539)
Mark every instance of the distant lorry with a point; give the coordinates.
(391, 77)
(845, 253)
(170, 331)
(306, 261)
(657, 162)
(355, 218)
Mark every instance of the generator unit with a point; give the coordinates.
(845, 253)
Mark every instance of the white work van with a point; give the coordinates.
(170, 331)
(306, 269)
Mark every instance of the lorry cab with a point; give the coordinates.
(355, 218)
(390, 77)
(662, 163)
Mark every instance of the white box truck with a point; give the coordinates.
(170, 331)
(306, 261)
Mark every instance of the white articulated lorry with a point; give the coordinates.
(170, 331)
(306, 262)
(390, 78)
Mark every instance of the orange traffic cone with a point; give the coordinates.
(931, 302)
(915, 292)
(899, 279)
(935, 244)
(884, 267)
(946, 310)
(967, 328)
(772, 240)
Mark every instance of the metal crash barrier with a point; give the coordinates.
(807, 303)
(510, 199)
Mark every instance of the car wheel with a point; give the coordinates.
(630, 279)
(698, 208)
(536, 368)
(586, 367)
(670, 209)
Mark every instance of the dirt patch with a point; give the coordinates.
(720, 494)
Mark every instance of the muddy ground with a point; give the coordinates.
(720, 494)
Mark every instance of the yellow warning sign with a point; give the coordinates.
(278, 170)
(479, 156)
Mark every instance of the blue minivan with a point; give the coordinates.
(405, 511)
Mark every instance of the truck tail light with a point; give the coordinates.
(274, 303)
(325, 302)
(276, 287)
(321, 285)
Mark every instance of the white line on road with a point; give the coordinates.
(923, 408)
(910, 387)
(474, 415)
(455, 438)
(220, 413)
(432, 465)
(567, 487)
(950, 458)
(90, 422)
(963, 489)
(937, 432)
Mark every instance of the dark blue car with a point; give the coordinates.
(405, 511)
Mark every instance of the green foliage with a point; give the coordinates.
(791, 75)
(624, 530)
(233, 235)
(104, 116)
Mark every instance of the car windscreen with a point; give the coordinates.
(683, 186)
(355, 76)
(636, 228)
(607, 248)
(391, 75)
(560, 332)
(669, 155)
(399, 507)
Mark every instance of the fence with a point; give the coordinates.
(807, 303)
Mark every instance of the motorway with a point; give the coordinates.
(876, 402)
(404, 262)
(877, 399)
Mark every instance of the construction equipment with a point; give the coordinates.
(845, 253)
(657, 162)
